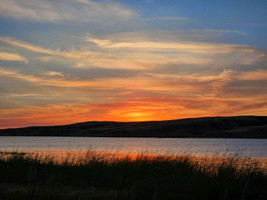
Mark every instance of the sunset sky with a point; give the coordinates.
(67, 61)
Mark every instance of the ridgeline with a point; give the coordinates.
(208, 127)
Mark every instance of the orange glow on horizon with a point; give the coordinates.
(145, 88)
(158, 110)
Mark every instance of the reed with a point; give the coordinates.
(94, 175)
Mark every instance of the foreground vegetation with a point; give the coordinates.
(112, 176)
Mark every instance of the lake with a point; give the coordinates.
(254, 148)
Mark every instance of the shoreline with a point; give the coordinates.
(62, 155)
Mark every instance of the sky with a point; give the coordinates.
(67, 61)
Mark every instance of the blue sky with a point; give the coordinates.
(243, 21)
(131, 60)
(240, 15)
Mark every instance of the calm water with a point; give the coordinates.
(256, 148)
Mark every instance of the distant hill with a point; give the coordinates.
(208, 127)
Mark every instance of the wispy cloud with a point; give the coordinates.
(172, 18)
(139, 53)
(254, 75)
(161, 49)
(12, 57)
(53, 73)
(221, 31)
(43, 80)
(144, 97)
(210, 83)
(144, 52)
(168, 18)
(73, 53)
(201, 48)
(67, 60)
(25, 45)
(57, 11)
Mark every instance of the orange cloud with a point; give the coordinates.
(132, 108)
(12, 57)
(254, 75)
(149, 90)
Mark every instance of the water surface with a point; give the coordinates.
(255, 148)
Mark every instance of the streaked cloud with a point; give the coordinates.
(144, 53)
(43, 80)
(222, 31)
(57, 11)
(25, 45)
(168, 18)
(69, 54)
(68, 61)
(200, 48)
(254, 75)
(161, 49)
(12, 57)
(172, 18)
(53, 73)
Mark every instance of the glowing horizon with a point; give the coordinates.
(69, 61)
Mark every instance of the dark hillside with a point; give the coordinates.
(212, 127)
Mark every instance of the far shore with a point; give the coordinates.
(205, 127)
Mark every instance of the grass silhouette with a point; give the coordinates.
(92, 175)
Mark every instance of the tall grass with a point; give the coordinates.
(92, 175)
